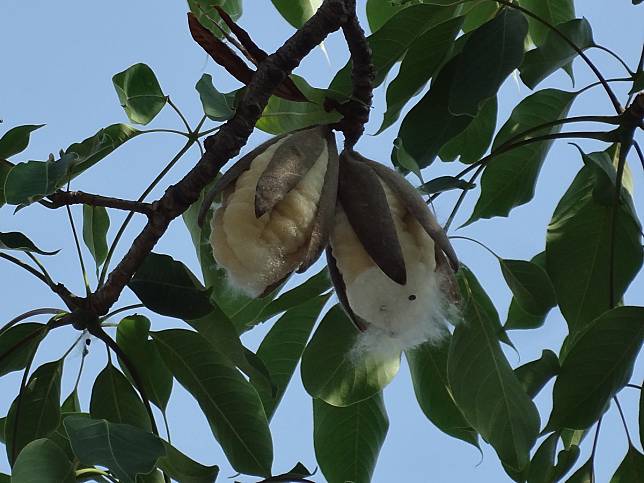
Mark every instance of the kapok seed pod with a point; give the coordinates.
(260, 250)
(416, 206)
(363, 199)
(341, 290)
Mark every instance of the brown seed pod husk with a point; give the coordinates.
(415, 205)
(365, 203)
(291, 161)
(340, 290)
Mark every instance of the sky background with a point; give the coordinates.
(58, 59)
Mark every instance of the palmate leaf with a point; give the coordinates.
(139, 92)
(599, 362)
(348, 439)
(43, 461)
(231, 405)
(333, 373)
(484, 386)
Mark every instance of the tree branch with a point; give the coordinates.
(224, 145)
(67, 198)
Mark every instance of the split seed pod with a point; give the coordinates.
(390, 261)
(277, 207)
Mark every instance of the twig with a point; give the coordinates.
(614, 55)
(639, 152)
(621, 415)
(79, 252)
(461, 198)
(66, 198)
(26, 315)
(180, 114)
(122, 309)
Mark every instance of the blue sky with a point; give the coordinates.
(58, 59)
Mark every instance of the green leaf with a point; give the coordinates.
(208, 16)
(17, 345)
(217, 106)
(585, 473)
(445, 183)
(483, 384)
(96, 223)
(139, 93)
(392, 40)
(401, 159)
(71, 404)
(59, 435)
(39, 409)
(127, 451)
(93, 149)
(542, 466)
(510, 178)
(5, 167)
(482, 12)
(296, 12)
(529, 284)
(33, 180)
(231, 405)
(331, 371)
(348, 440)
(181, 468)
(420, 63)
(536, 374)
(167, 287)
(490, 55)
(281, 115)
(3, 423)
(554, 12)
(598, 364)
(17, 241)
(470, 145)
(132, 337)
(282, 349)
(577, 252)
(43, 461)
(428, 367)
(566, 459)
(555, 52)
(114, 399)
(631, 469)
(4, 478)
(379, 12)
(16, 140)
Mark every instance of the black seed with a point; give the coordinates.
(412, 297)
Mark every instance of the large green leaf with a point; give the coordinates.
(510, 178)
(17, 241)
(542, 466)
(127, 451)
(17, 345)
(428, 367)
(380, 11)
(167, 287)
(598, 364)
(552, 11)
(217, 106)
(577, 251)
(282, 349)
(139, 93)
(16, 140)
(181, 468)
(483, 384)
(333, 372)
(536, 374)
(470, 145)
(39, 411)
(43, 461)
(348, 440)
(96, 223)
(281, 115)
(208, 16)
(420, 63)
(231, 405)
(489, 55)
(132, 337)
(296, 12)
(529, 284)
(631, 469)
(555, 52)
(390, 42)
(114, 399)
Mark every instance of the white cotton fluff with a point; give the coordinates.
(258, 252)
(399, 316)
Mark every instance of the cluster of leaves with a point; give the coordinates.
(465, 386)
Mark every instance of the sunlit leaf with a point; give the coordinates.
(428, 367)
(348, 440)
(535, 374)
(43, 461)
(554, 12)
(39, 409)
(216, 105)
(231, 405)
(598, 364)
(16, 140)
(139, 93)
(167, 287)
(17, 344)
(127, 451)
(296, 12)
(96, 223)
(331, 371)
